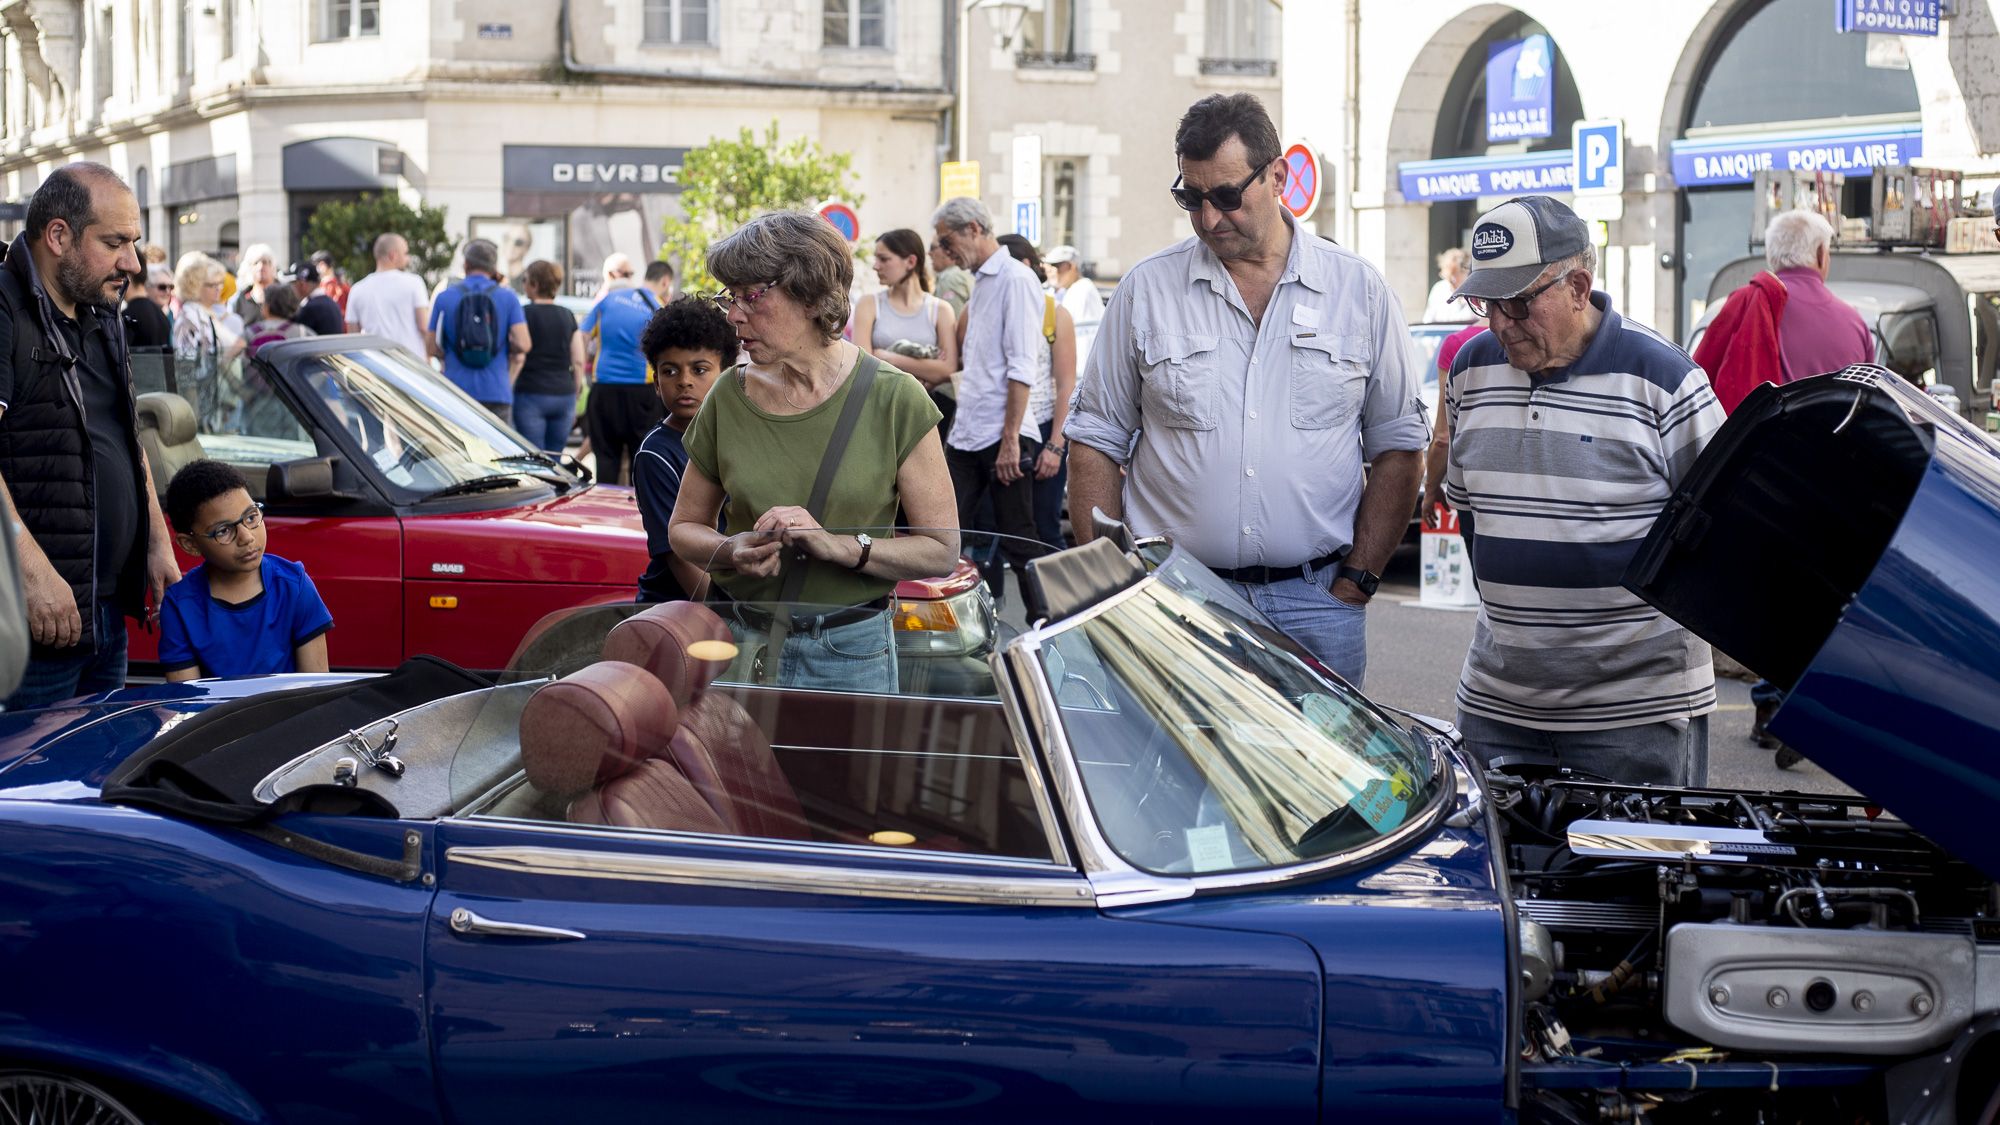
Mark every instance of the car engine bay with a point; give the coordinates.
(1714, 955)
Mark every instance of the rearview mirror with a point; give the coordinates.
(290, 482)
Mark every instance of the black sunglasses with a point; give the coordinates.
(1225, 198)
(1513, 308)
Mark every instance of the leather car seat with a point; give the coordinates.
(601, 737)
(719, 748)
(167, 432)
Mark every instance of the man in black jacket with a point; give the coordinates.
(91, 540)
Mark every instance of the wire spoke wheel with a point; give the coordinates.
(28, 1098)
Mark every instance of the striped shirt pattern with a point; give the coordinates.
(1557, 480)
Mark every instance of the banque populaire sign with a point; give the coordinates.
(1737, 159)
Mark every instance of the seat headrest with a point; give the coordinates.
(170, 414)
(594, 725)
(657, 640)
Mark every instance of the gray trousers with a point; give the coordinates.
(1652, 754)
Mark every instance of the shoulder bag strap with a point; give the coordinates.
(829, 464)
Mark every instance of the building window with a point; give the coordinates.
(1049, 37)
(680, 21)
(1242, 38)
(856, 23)
(349, 19)
(1062, 189)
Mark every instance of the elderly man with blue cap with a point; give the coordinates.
(1570, 429)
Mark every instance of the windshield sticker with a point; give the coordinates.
(1379, 805)
(1324, 712)
(1208, 848)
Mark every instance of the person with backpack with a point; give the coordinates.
(478, 330)
(279, 322)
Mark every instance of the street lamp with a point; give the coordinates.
(1008, 16)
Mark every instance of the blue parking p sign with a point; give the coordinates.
(1598, 149)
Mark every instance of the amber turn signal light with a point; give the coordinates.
(443, 601)
(925, 617)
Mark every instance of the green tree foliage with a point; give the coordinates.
(725, 184)
(348, 232)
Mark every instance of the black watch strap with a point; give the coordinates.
(1364, 579)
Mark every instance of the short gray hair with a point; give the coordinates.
(481, 256)
(1584, 259)
(1458, 256)
(961, 211)
(801, 254)
(1794, 237)
(385, 245)
(159, 274)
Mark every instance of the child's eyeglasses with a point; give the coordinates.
(225, 533)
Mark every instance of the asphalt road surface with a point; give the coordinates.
(1414, 656)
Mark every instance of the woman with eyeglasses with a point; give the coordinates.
(761, 444)
(202, 344)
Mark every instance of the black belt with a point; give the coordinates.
(1265, 575)
(812, 624)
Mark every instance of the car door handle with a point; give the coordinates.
(464, 921)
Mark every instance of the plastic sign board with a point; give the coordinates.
(956, 178)
(1027, 167)
(1598, 150)
(1469, 177)
(1302, 180)
(1888, 17)
(1520, 88)
(1737, 159)
(1028, 220)
(842, 217)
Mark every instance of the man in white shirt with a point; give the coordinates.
(1079, 295)
(390, 302)
(1453, 266)
(993, 443)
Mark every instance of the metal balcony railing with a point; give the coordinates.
(1054, 60)
(1242, 68)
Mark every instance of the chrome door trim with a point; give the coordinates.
(464, 921)
(794, 878)
(1010, 705)
(813, 851)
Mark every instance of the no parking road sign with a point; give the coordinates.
(1301, 191)
(842, 217)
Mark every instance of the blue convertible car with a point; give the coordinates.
(1172, 871)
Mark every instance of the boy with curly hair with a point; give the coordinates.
(689, 342)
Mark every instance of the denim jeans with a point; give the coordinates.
(52, 681)
(501, 410)
(544, 419)
(855, 657)
(1651, 754)
(1330, 629)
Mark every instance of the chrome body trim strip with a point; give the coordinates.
(584, 833)
(795, 878)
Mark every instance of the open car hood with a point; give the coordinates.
(1841, 537)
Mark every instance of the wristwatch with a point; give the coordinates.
(1362, 578)
(867, 545)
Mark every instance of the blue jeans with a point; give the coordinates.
(1651, 754)
(52, 681)
(1330, 629)
(856, 657)
(545, 419)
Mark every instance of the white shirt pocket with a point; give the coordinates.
(1178, 385)
(1329, 379)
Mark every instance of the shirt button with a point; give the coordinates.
(1249, 472)
(1535, 414)
(1246, 531)
(1253, 414)
(1253, 359)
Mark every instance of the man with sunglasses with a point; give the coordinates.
(1240, 378)
(1570, 429)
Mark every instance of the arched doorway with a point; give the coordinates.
(1774, 73)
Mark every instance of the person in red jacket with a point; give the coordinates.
(1784, 325)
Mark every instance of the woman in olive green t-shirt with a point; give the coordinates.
(759, 440)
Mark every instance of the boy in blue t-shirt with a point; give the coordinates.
(688, 343)
(241, 612)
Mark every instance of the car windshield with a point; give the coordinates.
(423, 434)
(1208, 742)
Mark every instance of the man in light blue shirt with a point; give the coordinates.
(623, 406)
(1241, 378)
(492, 384)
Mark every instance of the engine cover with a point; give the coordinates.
(1774, 988)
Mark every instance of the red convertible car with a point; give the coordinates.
(427, 526)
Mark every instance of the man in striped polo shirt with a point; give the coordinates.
(1570, 428)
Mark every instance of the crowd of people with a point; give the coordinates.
(1250, 393)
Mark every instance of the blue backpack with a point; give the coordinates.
(475, 330)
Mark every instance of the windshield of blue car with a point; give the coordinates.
(1208, 742)
(422, 434)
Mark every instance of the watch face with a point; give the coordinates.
(865, 540)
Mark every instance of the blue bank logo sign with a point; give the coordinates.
(1888, 17)
(1737, 159)
(1470, 177)
(1520, 88)
(1598, 150)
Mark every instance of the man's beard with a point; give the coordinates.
(76, 282)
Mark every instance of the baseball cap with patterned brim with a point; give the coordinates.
(1513, 243)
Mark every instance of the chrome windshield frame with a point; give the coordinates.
(1118, 882)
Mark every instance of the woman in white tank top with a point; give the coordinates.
(906, 312)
